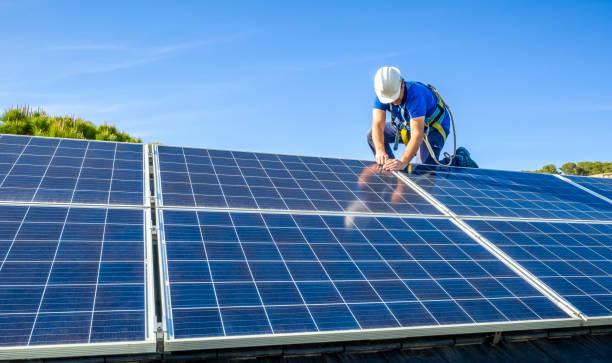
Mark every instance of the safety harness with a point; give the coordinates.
(433, 121)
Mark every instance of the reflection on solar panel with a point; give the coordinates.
(240, 273)
(574, 259)
(217, 178)
(603, 186)
(37, 169)
(72, 275)
(496, 193)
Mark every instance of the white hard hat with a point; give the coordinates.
(388, 84)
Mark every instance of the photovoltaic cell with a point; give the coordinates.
(239, 273)
(37, 169)
(230, 179)
(573, 259)
(603, 186)
(497, 193)
(71, 275)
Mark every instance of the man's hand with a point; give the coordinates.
(394, 164)
(381, 157)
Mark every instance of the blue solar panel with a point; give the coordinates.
(72, 275)
(496, 193)
(603, 186)
(238, 273)
(36, 169)
(229, 179)
(573, 259)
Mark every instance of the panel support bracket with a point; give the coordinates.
(497, 337)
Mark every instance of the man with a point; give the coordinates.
(417, 107)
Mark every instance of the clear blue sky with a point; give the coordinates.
(530, 82)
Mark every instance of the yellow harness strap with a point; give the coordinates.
(405, 136)
(435, 124)
(431, 121)
(440, 129)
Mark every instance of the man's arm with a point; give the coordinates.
(417, 132)
(378, 126)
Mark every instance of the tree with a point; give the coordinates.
(596, 167)
(568, 168)
(582, 168)
(547, 169)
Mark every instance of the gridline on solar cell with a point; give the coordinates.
(37, 169)
(573, 259)
(217, 178)
(497, 193)
(602, 186)
(234, 273)
(71, 275)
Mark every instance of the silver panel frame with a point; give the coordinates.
(497, 252)
(536, 220)
(148, 345)
(575, 319)
(537, 283)
(243, 341)
(164, 281)
(510, 262)
(145, 181)
(146, 187)
(315, 156)
(442, 207)
(76, 350)
(586, 189)
(160, 201)
(151, 318)
(309, 212)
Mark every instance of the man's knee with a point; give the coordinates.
(369, 136)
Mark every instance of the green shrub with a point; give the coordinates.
(25, 121)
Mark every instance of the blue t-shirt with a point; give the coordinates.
(419, 101)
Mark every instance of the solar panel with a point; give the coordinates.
(255, 245)
(191, 177)
(77, 276)
(53, 170)
(232, 274)
(497, 193)
(574, 259)
(602, 186)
